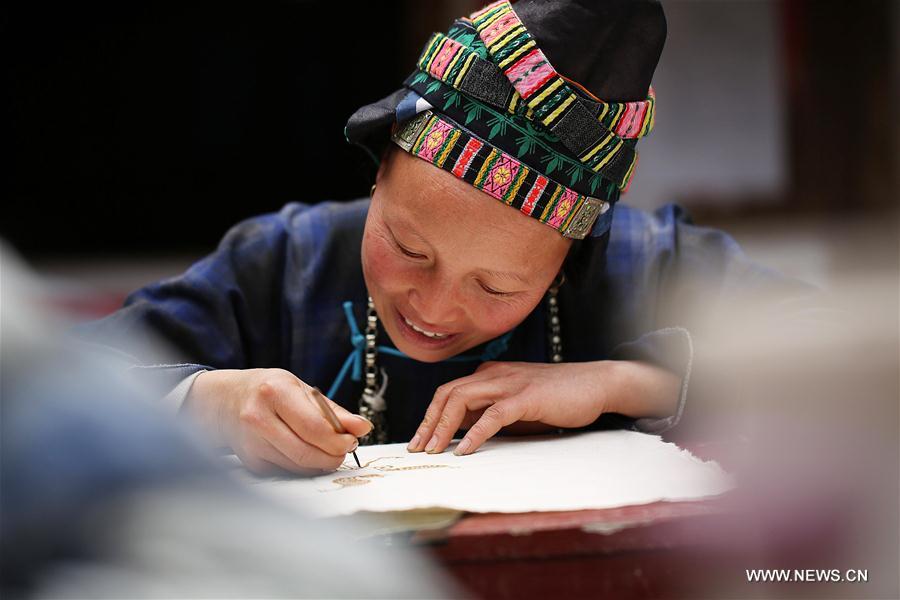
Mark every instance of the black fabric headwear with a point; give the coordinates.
(601, 53)
(610, 47)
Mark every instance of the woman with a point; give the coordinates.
(536, 312)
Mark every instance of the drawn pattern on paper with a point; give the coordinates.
(350, 467)
(364, 479)
(351, 481)
(413, 467)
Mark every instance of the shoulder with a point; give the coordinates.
(302, 223)
(297, 230)
(636, 228)
(638, 236)
(330, 216)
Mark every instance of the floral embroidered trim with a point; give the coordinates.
(491, 170)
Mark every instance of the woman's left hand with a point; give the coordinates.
(556, 395)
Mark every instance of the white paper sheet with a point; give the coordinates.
(548, 473)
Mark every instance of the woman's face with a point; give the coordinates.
(447, 266)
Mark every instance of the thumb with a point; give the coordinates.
(355, 425)
(488, 364)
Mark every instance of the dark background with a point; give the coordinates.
(140, 131)
(146, 129)
(146, 126)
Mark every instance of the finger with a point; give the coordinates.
(355, 425)
(471, 396)
(257, 465)
(261, 458)
(495, 417)
(301, 414)
(276, 457)
(433, 412)
(491, 365)
(264, 427)
(300, 453)
(268, 460)
(471, 417)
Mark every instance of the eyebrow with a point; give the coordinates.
(509, 276)
(408, 227)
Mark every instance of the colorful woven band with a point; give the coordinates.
(448, 146)
(528, 142)
(553, 102)
(462, 68)
(452, 62)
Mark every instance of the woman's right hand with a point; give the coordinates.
(268, 419)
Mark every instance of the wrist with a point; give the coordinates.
(639, 390)
(205, 404)
(610, 382)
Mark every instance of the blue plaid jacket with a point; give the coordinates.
(273, 295)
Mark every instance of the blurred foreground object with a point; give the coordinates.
(805, 400)
(799, 400)
(103, 496)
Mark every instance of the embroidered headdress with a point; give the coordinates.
(539, 106)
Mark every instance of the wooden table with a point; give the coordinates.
(659, 550)
(665, 549)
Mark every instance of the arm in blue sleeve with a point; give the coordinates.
(696, 274)
(671, 348)
(226, 311)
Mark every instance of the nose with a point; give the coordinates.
(435, 302)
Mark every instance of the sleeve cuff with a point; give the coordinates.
(672, 349)
(174, 400)
(169, 383)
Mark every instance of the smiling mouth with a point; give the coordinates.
(421, 336)
(431, 334)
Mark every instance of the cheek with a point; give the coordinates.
(495, 317)
(382, 268)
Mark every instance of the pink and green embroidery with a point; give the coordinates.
(448, 146)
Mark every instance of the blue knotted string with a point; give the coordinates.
(354, 360)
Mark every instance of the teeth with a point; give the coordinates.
(423, 332)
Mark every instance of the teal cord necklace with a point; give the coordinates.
(364, 352)
(362, 360)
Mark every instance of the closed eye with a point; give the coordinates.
(407, 252)
(492, 291)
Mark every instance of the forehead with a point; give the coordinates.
(448, 212)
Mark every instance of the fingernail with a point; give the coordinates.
(365, 420)
(355, 446)
(431, 444)
(462, 447)
(414, 443)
